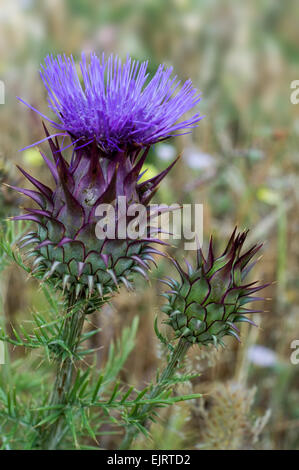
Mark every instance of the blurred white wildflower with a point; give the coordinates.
(166, 151)
(198, 160)
(261, 356)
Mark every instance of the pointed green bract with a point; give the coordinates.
(208, 301)
(66, 249)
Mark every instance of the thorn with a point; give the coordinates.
(128, 285)
(78, 289)
(90, 281)
(28, 242)
(66, 278)
(81, 267)
(100, 289)
(167, 283)
(172, 291)
(34, 271)
(113, 276)
(139, 261)
(141, 271)
(150, 258)
(54, 266)
(46, 275)
(28, 235)
(51, 271)
(105, 258)
(30, 254)
(37, 260)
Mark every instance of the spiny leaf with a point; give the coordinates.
(97, 388)
(119, 353)
(70, 421)
(161, 337)
(87, 425)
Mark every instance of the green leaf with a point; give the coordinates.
(119, 353)
(70, 422)
(87, 425)
(97, 388)
(127, 394)
(161, 337)
(89, 334)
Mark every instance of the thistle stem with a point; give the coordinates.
(71, 333)
(176, 357)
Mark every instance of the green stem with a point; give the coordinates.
(175, 358)
(72, 329)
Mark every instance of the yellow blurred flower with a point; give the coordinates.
(150, 172)
(32, 157)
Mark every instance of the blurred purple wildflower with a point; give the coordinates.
(114, 103)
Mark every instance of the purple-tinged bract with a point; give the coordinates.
(115, 103)
(208, 301)
(65, 247)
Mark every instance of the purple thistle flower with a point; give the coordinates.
(114, 103)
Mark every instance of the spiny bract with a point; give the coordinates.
(209, 300)
(66, 250)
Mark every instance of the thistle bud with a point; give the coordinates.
(209, 300)
(65, 247)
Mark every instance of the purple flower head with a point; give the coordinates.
(114, 103)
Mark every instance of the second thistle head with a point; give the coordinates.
(209, 300)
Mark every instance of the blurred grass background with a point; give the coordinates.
(241, 163)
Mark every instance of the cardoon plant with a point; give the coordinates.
(112, 113)
(112, 121)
